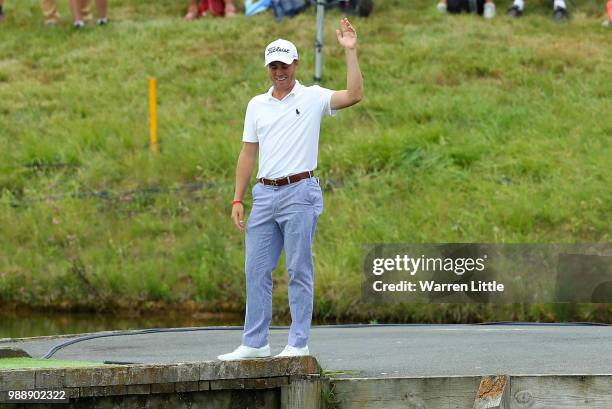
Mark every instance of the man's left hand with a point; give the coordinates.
(347, 36)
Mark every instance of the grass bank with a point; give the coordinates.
(471, 131)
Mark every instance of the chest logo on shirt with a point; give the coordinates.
(297, 112)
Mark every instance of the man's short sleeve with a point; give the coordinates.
(249, 134)
(326, 95)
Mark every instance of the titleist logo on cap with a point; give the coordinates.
(277, 50)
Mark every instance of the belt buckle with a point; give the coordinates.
(274, 182)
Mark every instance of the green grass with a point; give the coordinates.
(36, 363)
(470, 131)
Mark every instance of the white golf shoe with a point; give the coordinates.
(293, 351)
(244, 352)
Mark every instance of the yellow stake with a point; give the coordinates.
(153, 113)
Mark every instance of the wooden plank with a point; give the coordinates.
(17, 379)
(493, 393)
(561, 392)
(258, 368)
(406, 393)
(302, 394)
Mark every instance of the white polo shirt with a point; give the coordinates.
(287, 130)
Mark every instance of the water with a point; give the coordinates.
(32, 324)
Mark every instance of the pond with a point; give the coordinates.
(32, 324)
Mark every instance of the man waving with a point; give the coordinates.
(281, 129)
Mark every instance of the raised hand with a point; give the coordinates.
(347, 36)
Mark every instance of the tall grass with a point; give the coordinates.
(470, 131)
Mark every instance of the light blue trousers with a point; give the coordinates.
(283, 216)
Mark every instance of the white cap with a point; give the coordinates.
(280, 50)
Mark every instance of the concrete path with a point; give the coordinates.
(379, 351)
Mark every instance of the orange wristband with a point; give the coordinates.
(236, 202)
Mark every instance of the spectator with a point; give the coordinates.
(606, 23)
(77, 7)
(560, 13)
(1, 11)
(485, 8)
(52, 16)
(199, 8)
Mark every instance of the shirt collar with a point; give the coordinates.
(296, 89)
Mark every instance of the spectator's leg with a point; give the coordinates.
(102, 6)
(49, 9)
(75, 6)
(192, 10)
(480, 7)
(230, 8)
(457, 6)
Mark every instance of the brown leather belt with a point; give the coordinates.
(287, 180)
